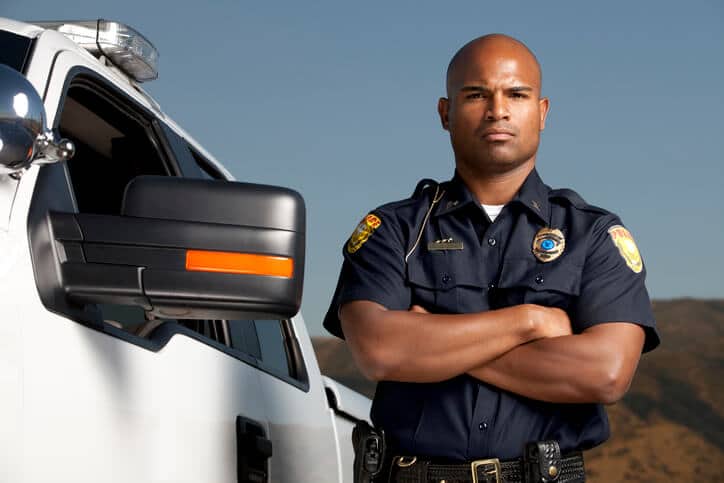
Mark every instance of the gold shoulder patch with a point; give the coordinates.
(363, 231)
(626, 247)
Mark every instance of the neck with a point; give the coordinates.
(495, 188)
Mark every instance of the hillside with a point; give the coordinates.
(670, 425)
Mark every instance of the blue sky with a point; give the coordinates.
(338, 101)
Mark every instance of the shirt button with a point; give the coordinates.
(539, 279)
(492, 241)
(483, 426)
(445, 278)
(491, 285)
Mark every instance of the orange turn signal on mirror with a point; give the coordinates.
(247, 263)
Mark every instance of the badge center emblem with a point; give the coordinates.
(548, 244)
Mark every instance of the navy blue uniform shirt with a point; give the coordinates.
(484, 266)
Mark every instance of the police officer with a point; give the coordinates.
(498, 315)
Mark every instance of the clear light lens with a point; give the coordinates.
(125, 47)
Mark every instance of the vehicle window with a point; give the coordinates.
(130, 318)
(118, 148)
(121, 145)
(209, 328)
(266, 341)
(181, 152)
(192, 163)
(205, 165)
(273, 347)
(15, 51)
(244, 337)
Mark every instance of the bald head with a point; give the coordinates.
(494, 110)
(492, 46)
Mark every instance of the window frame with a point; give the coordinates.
(298, 377)
(87, 79)
(90, 315)
(55, 175)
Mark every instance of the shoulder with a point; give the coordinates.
(603, 230)
(394, 222)
(587, 223)
(406, 211)
(568, 197)
(578, 209)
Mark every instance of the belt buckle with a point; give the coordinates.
(492, 461)
(404, 463)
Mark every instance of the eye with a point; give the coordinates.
(518, 95)
(475, 95)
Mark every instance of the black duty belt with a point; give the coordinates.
(542, 462)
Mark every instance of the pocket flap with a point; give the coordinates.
(558, 275)
(443, 271)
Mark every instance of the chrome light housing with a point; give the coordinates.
(23, 135)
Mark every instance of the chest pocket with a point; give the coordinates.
(527, 281)
(444, 282)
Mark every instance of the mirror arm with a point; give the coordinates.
(51, 150)
(48, 150)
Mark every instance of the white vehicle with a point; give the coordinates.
(148, 329)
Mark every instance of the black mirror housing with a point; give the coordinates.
(189, 249)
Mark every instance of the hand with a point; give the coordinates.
(547, 321)
(418, 309)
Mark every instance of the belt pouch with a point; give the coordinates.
(542, 461)
(369, 452)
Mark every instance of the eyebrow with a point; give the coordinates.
(485, 89)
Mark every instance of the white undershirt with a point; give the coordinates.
(492, 210)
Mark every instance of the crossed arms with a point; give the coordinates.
(526, 349)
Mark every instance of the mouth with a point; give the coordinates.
(497, 135)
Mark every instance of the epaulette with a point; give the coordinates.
(576, 200)
(424, 184)
(432, 190)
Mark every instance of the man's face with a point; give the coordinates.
(494, 112)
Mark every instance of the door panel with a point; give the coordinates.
(300, 424)
(99, 406)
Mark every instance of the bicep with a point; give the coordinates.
(364, 332)
(358, 317)
(621, 344)
(624, 336)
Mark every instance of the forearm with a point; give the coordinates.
(568, 369)
(420, 347)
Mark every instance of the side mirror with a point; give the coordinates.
(188, 249)
(23, 134)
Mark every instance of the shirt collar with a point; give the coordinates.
(455, 197)
(533, 195)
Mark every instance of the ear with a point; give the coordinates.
(544, 105)
(442, 109)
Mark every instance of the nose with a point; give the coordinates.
(497, 108)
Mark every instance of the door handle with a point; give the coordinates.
(253, 451)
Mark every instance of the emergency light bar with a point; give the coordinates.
(125, 47)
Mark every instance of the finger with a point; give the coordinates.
(418, 309)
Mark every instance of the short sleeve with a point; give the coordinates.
(373, 268)
(612, 283)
